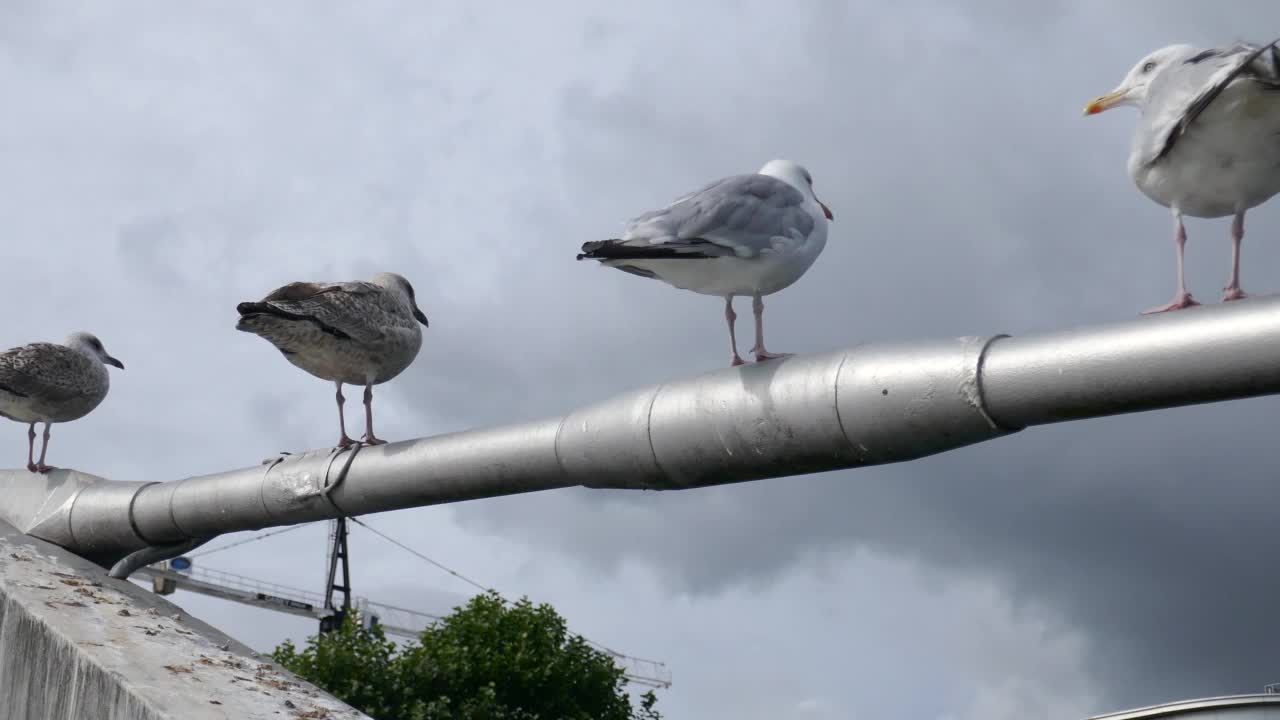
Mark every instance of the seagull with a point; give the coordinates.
(1207, 143)
(354, 333)
(742, 235)
(51, 383)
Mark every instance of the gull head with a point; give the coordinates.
(796, 176)
(398, 283)
(90, 345)
(1133, 90)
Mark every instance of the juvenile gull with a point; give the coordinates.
(1207, 143)
(741, 235)
(51, 383)
(354, 333)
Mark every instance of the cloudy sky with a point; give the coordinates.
(161, 162)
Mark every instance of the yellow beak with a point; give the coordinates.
(1105, 102)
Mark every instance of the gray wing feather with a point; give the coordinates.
(46, 371)
(742, 215)
(1181, 93)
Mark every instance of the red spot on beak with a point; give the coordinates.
(826, 210)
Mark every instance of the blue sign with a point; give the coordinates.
(181, 564)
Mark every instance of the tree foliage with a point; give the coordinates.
(489, 660)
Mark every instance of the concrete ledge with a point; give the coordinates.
(77, 645)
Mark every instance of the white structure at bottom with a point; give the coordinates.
(76, 644)
(1234, 707)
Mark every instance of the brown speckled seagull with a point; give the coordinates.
(354, 333)
(50, 383)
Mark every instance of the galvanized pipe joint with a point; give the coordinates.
(867, 405)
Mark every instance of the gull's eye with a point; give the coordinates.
(1148, 67)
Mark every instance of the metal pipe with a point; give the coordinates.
(134, 561)
(867, 405)
(1204, 354)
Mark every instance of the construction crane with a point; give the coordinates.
(338, 557)
(181, 573)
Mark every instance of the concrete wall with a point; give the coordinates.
(77, 645)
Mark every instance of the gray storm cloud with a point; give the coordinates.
(166, 164)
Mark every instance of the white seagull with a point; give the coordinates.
(357, 333)
(1207, 143)
(741, 235)
(50, 383)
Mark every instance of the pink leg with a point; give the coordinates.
(1183, 298)
(757, 307)
(731, 317)
(343, 440)
(40, 466)
(31, 447)
(1233, 291)
(369, 438)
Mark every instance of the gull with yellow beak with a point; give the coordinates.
(1207, 142)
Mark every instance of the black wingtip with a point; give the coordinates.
(618, 250)
(590, 249)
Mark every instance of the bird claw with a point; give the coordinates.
(736, 361)
(762, 355)
(1233, 294)
(371, 440)
(1180, 302)
(42, 468)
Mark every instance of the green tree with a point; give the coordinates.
(489, 660)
